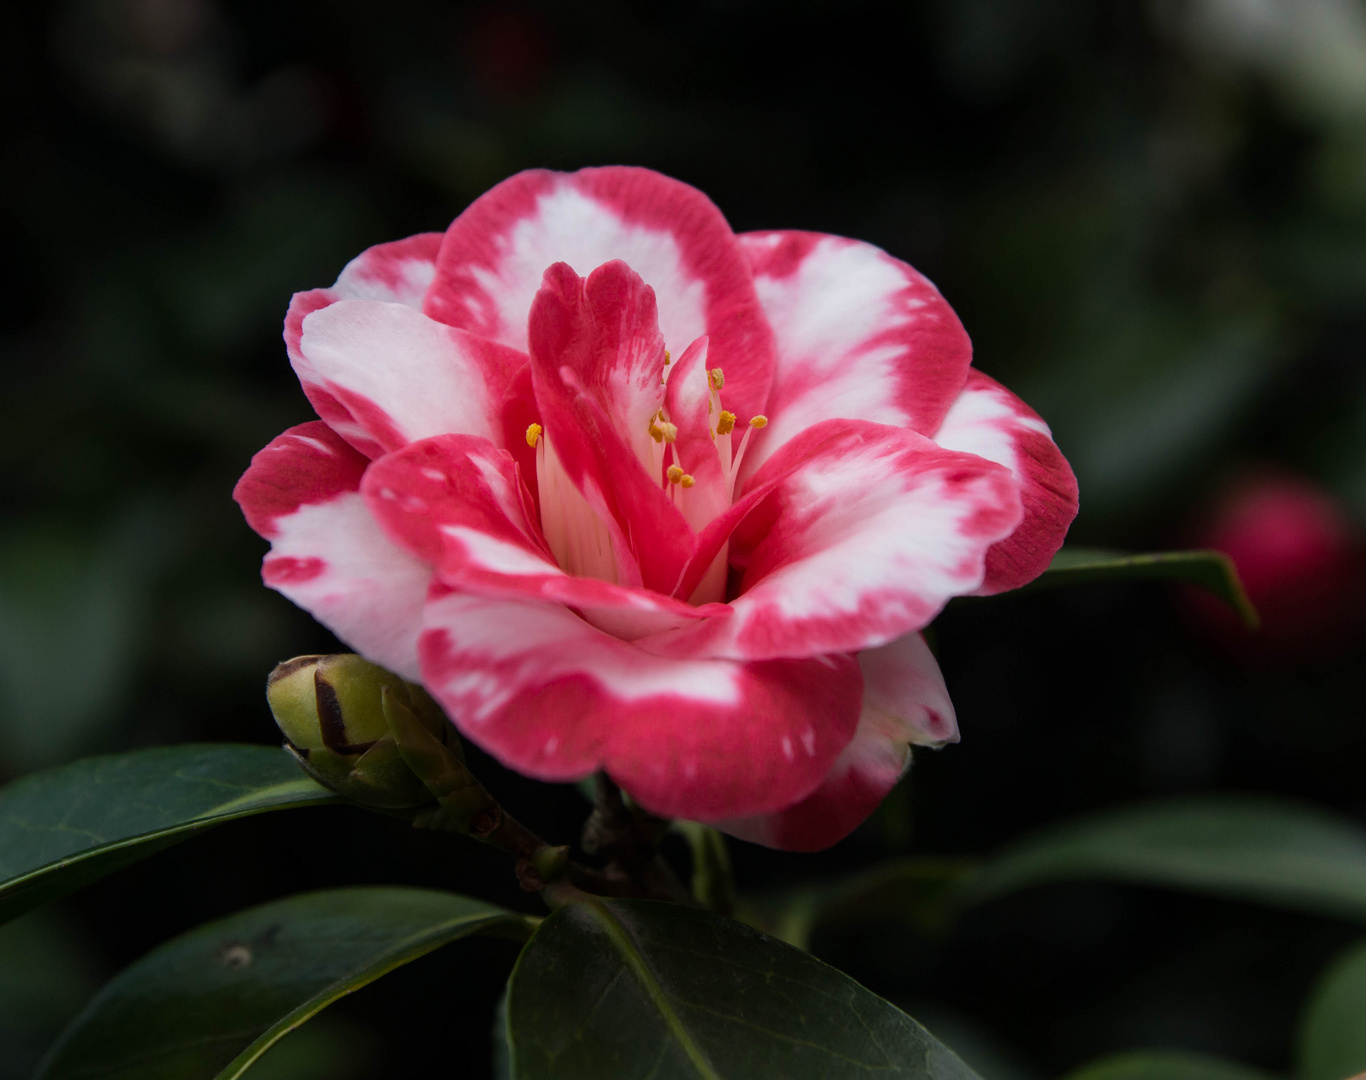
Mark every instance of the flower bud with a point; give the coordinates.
(331, 711)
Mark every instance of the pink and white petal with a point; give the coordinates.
(457, 502)
(905, 702)
(988, 420)
(606, 346)
(904, 692)
(555, 698)
(866, 531)
(431, 492)
(327, 553)
(570, 341)
(495, 253)
(397, 272)
(861, 335)
(383, 375)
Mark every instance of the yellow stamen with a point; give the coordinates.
(717, 378)
(656, 432)
(758, 421)
(675, 474)
(666, 357)
(686, 480)
(726, 424)
(668, 431)
(533, 435)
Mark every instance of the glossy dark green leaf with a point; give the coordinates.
(207, 1004)
(1333, 1031)
(640, 989)
(1264, 850)
(66, 827)
(1166, 1065)
(1210, 570)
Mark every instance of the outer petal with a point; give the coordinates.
(861, 335)
(458, 502)
(555, 698)
(495, 253)
(988, 420)
(397, 375)
(861, 534)
(905, 702)
(327, 553)
(396, 273)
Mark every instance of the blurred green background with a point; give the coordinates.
(1151, 218)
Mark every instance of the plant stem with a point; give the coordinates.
(628, 838)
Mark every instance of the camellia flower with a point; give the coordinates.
(627, 491)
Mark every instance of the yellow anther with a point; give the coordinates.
(666, 357)
(686, 480)
(533, 435)
(675, 474)
(726, 424)
(717, 378)
(656, 432)
(758, 421)
(668, 431)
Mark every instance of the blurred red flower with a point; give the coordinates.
(1300, 559)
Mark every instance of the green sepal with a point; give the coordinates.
(379, 777)
(464, 804)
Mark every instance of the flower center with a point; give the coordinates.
(578, 537)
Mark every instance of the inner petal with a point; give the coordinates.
(578, 537)
(597, 363)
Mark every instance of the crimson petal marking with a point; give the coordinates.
(397, 272)
(988, 420)
(865, 532)
(579, 329)
(905, 702)
(401, 376)
(861, 335)
(556, 699)
(458, 502)
(327, 553)
(305, 464)
(495, 253)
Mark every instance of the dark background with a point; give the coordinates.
(1150, 217)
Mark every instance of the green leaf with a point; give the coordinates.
(1210, 570)
(1333, 1031)
(1266, 850)
(922, 891)
(328, 1047)
(67, 827)
(636, 989)
(1166, 1065)
(209, 1003)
